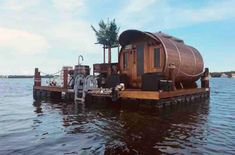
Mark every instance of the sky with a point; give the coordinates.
(49, 34)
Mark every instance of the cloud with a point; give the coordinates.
(75, 35)
(21, 42)
(138, 5)
(216, 11)
(18, 5)
(69, 5)
(164, 15)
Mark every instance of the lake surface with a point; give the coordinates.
(57, 127)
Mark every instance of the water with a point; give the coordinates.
(56, 127)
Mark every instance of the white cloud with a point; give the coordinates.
(32, 26)
(18, 5)
(75, 35)
(163, 15)
(21, 42)
(69, 5)
(138, 5)
(216, 11)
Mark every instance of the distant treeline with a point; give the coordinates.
(218, 74)
(28, 76)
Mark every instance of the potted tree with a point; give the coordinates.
(107, 35)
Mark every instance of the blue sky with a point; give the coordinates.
(51, 33)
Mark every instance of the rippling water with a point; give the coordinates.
(57, 127)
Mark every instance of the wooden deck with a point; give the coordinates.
(126, 94)
(52, 89)
(155, 95)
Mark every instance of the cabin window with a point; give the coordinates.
(156, 57)
(125, 60)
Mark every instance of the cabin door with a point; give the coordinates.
(140, 59)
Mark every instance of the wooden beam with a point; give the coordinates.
(37, 78)
(65, 78)
(205, 79)
(156, 95)
(104, 53)
(138, 94)
(51, 88)
(109, 61)
(182, 92)
(172, 76)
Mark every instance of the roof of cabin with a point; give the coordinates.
(127, 36)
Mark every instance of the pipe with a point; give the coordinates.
(80, 56)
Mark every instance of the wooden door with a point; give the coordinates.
(140, 59)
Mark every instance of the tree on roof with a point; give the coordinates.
(107, 35)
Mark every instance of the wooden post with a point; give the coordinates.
(109, 55)
(205, 79)
(119, 52)
(172, 76)
(118, 49)
(65, 78)
(37, 77)
(104, 53)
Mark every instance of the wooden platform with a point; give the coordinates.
(60, 92)
(52, 89)
(156, 95)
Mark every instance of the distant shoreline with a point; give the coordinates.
(212, 74)
(223, 74)
(23, 76)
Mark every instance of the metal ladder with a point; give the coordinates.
(83, 85)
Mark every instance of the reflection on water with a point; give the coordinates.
(57, 127)
(106, 128)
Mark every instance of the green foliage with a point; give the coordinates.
(107, 34)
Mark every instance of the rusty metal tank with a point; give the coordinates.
(186, 59)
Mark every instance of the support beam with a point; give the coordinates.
(172, 76)
(205, 79)
(37, 77)
(109, 61)
(65, 71)
(104, 53)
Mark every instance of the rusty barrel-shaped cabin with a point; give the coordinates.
(147, 57)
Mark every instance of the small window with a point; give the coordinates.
(125, 60)
(156, 56)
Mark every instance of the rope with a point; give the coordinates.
(191, 75)
(53, 74)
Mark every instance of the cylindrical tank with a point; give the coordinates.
(187, 60)
(81, 69)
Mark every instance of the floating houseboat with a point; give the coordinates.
(151, 66)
